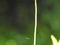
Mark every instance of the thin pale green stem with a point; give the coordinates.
(35, 28)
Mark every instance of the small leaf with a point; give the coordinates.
(54, 40)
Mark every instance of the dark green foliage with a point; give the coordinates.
(17, 22)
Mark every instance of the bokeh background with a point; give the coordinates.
(17, 21)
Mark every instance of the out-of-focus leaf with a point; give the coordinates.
(11, 42)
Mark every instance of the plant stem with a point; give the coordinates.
(35, 28)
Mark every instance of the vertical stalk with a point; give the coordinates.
(35, 28)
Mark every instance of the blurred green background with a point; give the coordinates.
(17, 21)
